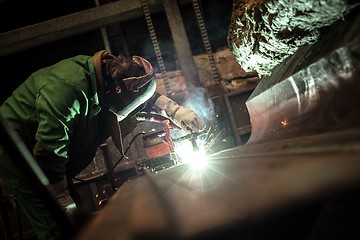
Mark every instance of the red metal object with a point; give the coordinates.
(167, 134)
(159, 143)
(158, 150)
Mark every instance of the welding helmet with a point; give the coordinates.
(135, 90)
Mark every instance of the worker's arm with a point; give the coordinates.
(58, 109)
(184, 118)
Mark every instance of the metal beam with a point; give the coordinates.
(66, 26)
(72, 24)
(181, 42)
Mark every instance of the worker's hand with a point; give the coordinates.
(184, 118)
(188, 120)
(62, 195)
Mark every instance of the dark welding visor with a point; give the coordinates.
(140, 90)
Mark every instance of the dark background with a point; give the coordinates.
(18, 66)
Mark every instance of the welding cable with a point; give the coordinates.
(128, 147)
(122, 156)
(121, 147)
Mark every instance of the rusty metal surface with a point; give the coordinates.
(241, 186)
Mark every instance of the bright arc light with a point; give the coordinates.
(196, 159)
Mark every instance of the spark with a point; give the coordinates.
(196, 159)
(202, 175)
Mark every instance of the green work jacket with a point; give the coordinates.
(56, 111)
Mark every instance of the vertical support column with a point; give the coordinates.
(181, 42)
(104, 32)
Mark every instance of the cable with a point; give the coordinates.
(121, 141)
(132, 140)
(113, 167)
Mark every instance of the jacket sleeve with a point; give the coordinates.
(184, 118)
(150, 104)
(161, 104)
(58, 109)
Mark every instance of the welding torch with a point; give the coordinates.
(154, 117)
(192, 137)
(157, 118)
(210, 132)
(210, 135)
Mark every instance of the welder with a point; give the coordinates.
(65, 111)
